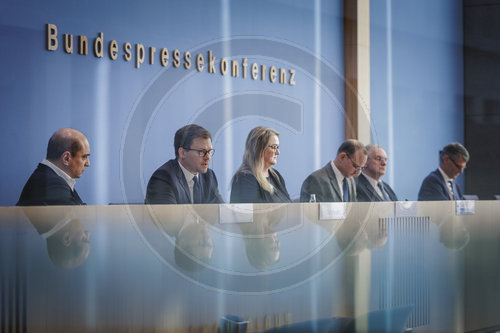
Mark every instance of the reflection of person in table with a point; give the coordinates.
(193, 246)
(67, 240)
(189, 226)
(354, 238)
(453, 234)
(261, 241)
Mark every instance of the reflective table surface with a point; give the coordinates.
(414, 266)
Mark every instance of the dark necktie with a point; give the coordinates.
(345, 190)
(196, 190)
(454, 195)
(384, 192)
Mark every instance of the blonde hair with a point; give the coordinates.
(253, 159)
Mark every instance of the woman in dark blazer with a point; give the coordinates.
(256, 181)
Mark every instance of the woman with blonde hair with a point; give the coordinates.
(256, 181)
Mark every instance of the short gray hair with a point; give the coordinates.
(370, 146)
(454, 150)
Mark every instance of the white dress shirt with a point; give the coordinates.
(447, 182)
(60, 173)
(374, 183)
(189, 179)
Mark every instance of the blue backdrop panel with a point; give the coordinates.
(416, 86)
(130, 114)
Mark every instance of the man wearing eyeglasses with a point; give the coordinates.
(369, 185)
(187, 178)
(440, 184)
(334, 182)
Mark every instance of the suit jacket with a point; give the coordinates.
(366, 192)
(168, 185)
(324, 184)
(46, 188)
(434, 188)
(246, 189)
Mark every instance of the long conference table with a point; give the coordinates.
(300, 267)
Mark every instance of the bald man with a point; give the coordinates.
(335, 181)
(53, 181)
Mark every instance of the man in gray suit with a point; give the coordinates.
(334, 182)
(369, 185)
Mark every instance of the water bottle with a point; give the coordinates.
(312, 198)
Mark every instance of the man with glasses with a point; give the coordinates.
(369, 185)
(334, 182)
(440, 184)
(187, 178)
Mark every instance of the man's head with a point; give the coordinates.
(453, 159)
(193, 148)
(193, 247)
(351, 158)
(376, 162)
(69, 149)
(69, 247)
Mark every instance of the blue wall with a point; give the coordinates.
(416, 86)
(130, 115)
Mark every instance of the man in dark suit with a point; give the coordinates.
(187, 178)
(53, 181)
(440, 184)
(334, 182)
(369, 185)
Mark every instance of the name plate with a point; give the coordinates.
(235, 213)
(405, 209)
(332, 210)
(465, 207)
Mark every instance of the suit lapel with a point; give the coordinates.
(333, 181)
(74, 194)
(444, 187)
(77, 197)
(388, 191)
(182, 181)
(370, 188)
(459, 191)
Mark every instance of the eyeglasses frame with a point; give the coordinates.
(202, 152)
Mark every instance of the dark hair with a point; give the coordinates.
(60, 143)
(350, 147)
(185, 136)
(454, 150)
